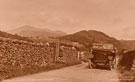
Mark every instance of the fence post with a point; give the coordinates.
(57, 51)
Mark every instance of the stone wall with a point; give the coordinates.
(24, 54)
(20, 57)
(67, 54)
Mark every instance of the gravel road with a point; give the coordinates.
(77, 73)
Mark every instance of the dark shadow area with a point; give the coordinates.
(99, 67)
(102, 67)
(126, 74)
(126, 60)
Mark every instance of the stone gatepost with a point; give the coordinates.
(57, 51)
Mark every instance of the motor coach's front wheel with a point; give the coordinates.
(90, 64)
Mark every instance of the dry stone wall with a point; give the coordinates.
(24, 54)
(20, 54)
(21, 58)
(67, 54)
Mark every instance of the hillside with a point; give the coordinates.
(89, 37)
(129, 44)
(11, 36)
(29, 31)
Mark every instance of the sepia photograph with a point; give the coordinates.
(67, 40)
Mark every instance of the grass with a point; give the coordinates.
(8, 72)
(126, 75)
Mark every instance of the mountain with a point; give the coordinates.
(29, 31)
(89, 37)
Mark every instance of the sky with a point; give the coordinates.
(113, 17)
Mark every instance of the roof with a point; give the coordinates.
(101, 46)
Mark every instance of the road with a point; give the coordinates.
(77, 73)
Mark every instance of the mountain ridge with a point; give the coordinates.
(30, 31)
